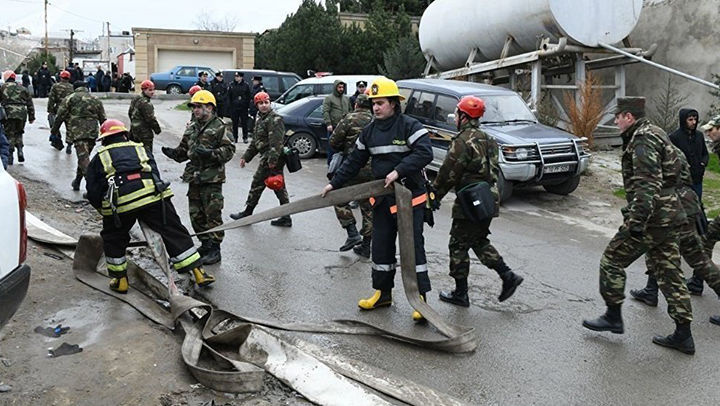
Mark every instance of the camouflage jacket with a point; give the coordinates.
(346, 134)
(688, 198)
(58, 93)
(142, 119)
(17, 102)
(82, 114)
(651, 170)
(716, 148)
(214, 135)
(268, 139)
(471, 158)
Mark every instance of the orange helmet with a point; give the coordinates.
(64, 75)
(146, 84)
(261, 96)
(111, 126)
(472, 106)
(194, 89)
(275, 182)
(8, 74)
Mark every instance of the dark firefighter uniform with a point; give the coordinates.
(402, 144)
(124, 185)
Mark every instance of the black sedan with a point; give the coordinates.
(304, 124)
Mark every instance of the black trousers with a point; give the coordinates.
(179, 244)
(384, 235)
(239, 116)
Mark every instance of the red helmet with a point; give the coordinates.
(146, 84)
(194, 89)
(261, 96)
(64, 75)
(111, 126)
(275, 182)
(8, 74)
(472, 106)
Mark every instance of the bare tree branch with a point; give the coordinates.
(205, 22)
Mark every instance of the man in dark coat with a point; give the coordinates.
(44, 81)
(99, 76)
(218, 87)
(692, 143)
(239, 102)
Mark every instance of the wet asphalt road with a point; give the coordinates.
(532, 348)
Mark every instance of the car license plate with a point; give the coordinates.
(557, 169)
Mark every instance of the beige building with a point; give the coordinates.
(158, 50)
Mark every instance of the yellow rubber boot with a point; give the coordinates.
(417, 317)
(119, 285)
(378, 299)
(202, 278)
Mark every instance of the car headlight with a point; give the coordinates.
(521, 153)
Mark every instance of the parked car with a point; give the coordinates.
(321, 86)
(530, 153)
(14, 273)
(304, 125)
(180, 78)
(276, 83)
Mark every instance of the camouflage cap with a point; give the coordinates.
(363, 101)
(714, 122)
(79, 83)
(632, 105)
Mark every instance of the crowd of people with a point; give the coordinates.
(40, 82)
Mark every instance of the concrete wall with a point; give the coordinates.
(687, 33)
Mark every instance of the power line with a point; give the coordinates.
(76, 15)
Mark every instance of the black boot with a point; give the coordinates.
(610, 321)
(204, 248)
(695, 285)
(681, 339)
(76, 183)
(647, 295)
(510, 280)
(353, 238)
(21, 156)
(213, 255)
(364, 248)
(715, 320)
(459, 296)
(247, 212)
(284, 221)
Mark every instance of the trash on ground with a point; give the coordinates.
(53, 256)
(64, 349)
(5, 388)
(56, 331)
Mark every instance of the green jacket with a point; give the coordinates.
(214, 135)
(17, 102)
(58, 93)
(142, 119)
(268, 139)
(471, 158)
(335, 106)
(82, 114)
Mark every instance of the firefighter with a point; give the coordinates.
(124, 185)
(398, 147)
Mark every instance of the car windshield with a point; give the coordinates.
(294, 107)
(501, 109)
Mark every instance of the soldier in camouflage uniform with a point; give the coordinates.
(712, 235)
(58, 93)
(82, 114)
(142, 116)
(208, 146)
(471, 159)
(18, 105)
(343, 140)
(652, 217)
(267, 141)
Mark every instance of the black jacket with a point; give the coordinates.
(399, 143)
(692, 144)
(239, 95)
(44, 77)
(219, 90)
(255, 90)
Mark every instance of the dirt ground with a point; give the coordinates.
(126, 359)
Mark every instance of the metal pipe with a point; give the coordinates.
(661, 67)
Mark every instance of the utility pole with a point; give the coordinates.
(46, 31)
(72, 43)
(108, 43)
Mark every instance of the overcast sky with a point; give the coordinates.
(90, 15)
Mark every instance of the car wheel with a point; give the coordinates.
(505, 188)
(173, 89)
(305, 144)
(564, 188)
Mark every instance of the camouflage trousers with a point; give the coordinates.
(14, 129)
(83, 148)
(205, 203)
(661, 247)
(346, 217)
(712, 236)
(466, 235)
(258, 186)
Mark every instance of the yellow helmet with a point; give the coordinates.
(384, 87)
(202, 97)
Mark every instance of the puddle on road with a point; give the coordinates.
(87, 319)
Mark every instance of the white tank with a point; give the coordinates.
(450, 29)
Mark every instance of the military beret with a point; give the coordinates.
(363, 101)
(714, 122)
(632, 105)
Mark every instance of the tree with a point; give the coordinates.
(666, 105)
(586, 112)
(412, 7)
(404, 60)
(34, 63)
(205, 22)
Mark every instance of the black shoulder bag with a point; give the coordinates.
(476, 199)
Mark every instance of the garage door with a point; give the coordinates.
(168, 58)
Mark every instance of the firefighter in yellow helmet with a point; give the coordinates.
(124, 185)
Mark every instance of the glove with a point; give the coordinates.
(203, 153)
(169, 152)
